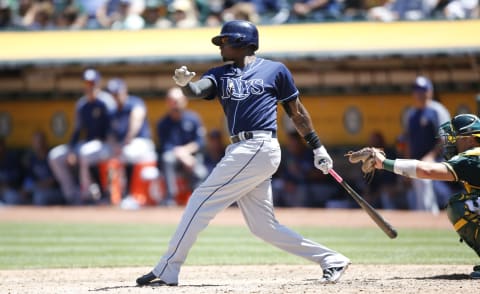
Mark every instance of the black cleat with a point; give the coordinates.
(151, 280)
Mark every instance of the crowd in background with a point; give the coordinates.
(140, 14)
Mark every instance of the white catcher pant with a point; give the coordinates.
(243, 175)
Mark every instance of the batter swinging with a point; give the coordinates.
(249, 89)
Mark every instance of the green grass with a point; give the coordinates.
(47, 245)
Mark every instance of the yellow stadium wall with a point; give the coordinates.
(378, 113)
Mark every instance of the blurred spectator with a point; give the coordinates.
(210, 12)
(454, 9)
(298, 183)
(184, 14)
(443, 190)
(39, 183)
(422, 141)
(215, 149)
(315, 10)
(43, 16)
(92, 121)
(6, 21)
(256, 11)
(273, 11)
(108, 13)
(241, 10)
(22, 13)
(88, 19)
(353, 10)
(130, 137)
(156, 14)
(290, 187)
(394, 10)
(181, 140)
(121, 14)
(10, 175)
(67, 16)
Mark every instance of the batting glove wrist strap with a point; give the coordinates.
(313, 140)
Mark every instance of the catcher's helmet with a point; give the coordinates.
(460, 125)
(466, 125)
(238, 33)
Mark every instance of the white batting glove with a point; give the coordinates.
(183, 76)
(322, 159)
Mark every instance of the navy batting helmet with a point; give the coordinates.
(237, 33)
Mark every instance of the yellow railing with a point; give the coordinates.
(289, 40)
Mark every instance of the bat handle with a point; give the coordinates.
(336, 176)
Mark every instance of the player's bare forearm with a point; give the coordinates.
(299, 116)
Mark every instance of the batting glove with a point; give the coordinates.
(182, 76)
(322, 159)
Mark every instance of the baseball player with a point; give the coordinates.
(181, 139)
(461, 141)
(129, 138)
(248, 88)
(423, 122)
(92, 122)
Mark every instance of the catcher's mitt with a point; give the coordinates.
(367, 156)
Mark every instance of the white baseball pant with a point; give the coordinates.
(243, 175)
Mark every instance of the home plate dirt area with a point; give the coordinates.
(359, 278)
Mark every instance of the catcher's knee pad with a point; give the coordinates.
(465, 222)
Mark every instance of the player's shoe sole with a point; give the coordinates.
(151, 280)
(333, 274)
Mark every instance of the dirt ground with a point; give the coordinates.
(239, 279)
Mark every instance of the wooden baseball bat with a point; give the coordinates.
(377, 218)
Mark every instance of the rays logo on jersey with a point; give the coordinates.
(239, 89)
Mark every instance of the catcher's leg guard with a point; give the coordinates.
(465, 222)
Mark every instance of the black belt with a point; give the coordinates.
(247, 136)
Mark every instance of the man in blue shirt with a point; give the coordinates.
(130, 136)
(181, 140)
(423, 121)
(249, 89)
(39, 181)
(92, 122)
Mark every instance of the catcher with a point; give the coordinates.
(461, 148)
